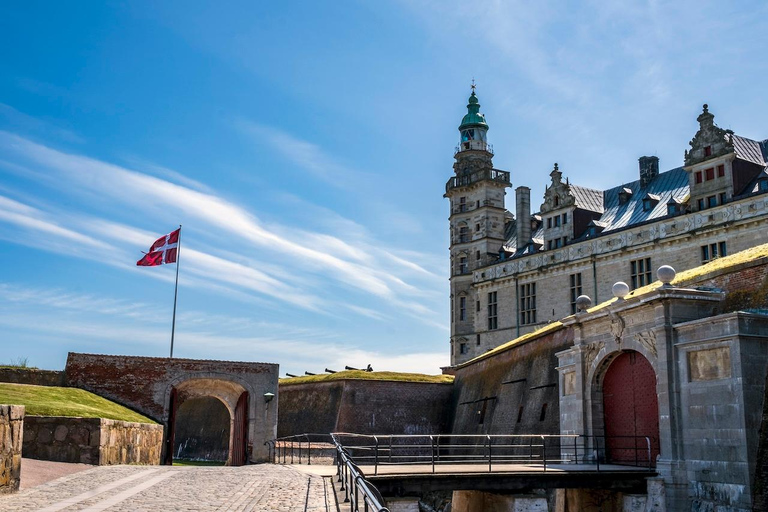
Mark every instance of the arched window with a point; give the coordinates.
(557, 201)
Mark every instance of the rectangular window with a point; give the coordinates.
(711, 201)
(698, 176)
(477, 308)
(477, 337)
(452, 304)
(565, 218)
(712, 251)
(557, 221)
(463, 348)
(558, 243)
(549, 245)
(463, 265)
(721, 198)
(700, 203)
(575, 290)
(708, 151)
(527, 293)
(462, 309)
(477, 256)
(549, 222)
(493, 319)
(641, 272)
(710, 173)
(462, 204)
(463, 234)
(720, 171)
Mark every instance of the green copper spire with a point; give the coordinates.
(473, 119)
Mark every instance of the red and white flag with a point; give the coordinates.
(164, 250)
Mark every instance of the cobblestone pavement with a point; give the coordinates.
(264, 487)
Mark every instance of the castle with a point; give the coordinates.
(512, 274)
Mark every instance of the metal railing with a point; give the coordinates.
(357, 490)
(540, 451)
(298, 449)
(465, 180)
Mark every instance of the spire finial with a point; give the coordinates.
(556, 167)
(706, 108)
(473, 85)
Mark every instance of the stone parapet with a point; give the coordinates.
(11, 433)
(95, 441)
(32, 376)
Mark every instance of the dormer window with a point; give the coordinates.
(557, 201)
(650, 201)
(624, 195)
(708, 151)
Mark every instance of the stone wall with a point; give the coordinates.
(96, 441)
(32, 376)
(145, 384)
(512, 392)
(364, 407)
(11, 433)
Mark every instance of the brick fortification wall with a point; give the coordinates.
(513, 392)
(92, 440)
(11, 433)
(364, 407)
(32, 376)
(144, 384)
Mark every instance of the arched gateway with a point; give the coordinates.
(630, 409)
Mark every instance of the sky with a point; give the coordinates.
(304, 148)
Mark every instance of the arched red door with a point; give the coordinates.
(631, 410)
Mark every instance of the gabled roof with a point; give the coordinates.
(588, 198)
(750, 150)
(666, 186)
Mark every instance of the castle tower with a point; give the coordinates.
(476, 193)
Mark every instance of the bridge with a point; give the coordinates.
(373, 466)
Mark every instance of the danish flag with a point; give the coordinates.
(164, 250)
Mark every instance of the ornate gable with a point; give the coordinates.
(710, 141)
(558, 194)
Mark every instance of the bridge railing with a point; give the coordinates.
(301, 448)
(358, 492)
(540, 451)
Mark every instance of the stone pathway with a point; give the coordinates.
(263, 487)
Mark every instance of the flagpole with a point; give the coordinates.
(176, 291)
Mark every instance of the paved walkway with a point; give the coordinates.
(263, 487)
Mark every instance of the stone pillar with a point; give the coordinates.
(11, 432)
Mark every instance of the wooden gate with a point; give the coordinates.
(173, 407)
(631, 408)
(240, 432)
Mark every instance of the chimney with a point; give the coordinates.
(649, 169)
(523, 207)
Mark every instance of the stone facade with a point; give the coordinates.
(11, 434)
(364, 407)
(157, 386)
(95, 441)
(508, 280)
(710, 373)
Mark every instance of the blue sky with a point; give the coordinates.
(304, 146)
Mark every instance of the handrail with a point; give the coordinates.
(540, 450)
(349, 474)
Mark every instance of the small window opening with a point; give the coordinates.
(520, 414)
(708, 151)
(543, 412)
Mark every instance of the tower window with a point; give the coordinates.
(711, 201)
(565, 218)
(462, 204)
(477, 338)
(698, 177)
(463, 348)
(477, 308)
(710, 173)
(708, 151)
(493, 319)
(463, 234)
(463, 265)
(700, 204)
(722, 197)
(641, 272)
(549, 222)
(462, 309)
(720, 171)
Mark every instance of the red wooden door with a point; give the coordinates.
(240, 434)
(631, 408)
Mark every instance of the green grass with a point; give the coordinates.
(72, 402)
(363, 375)
(183, 462)
(682, 279)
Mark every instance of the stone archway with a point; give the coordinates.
(201, 430)
(630, 409)
(201, 391)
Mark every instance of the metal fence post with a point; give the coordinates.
(432, 452)
(544, 452)
(490, 454)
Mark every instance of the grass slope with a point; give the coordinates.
(53, 401)
(362, 375)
